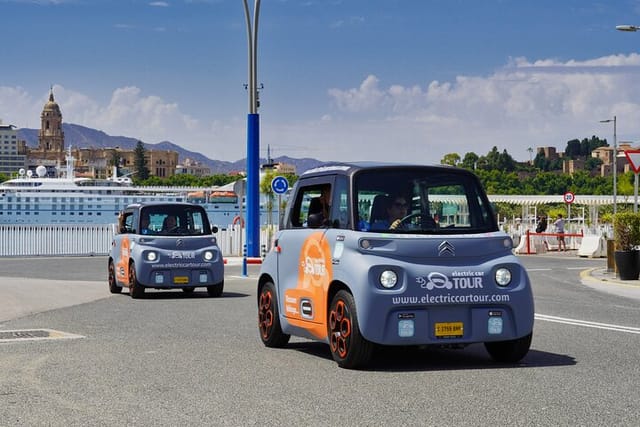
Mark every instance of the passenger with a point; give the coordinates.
(144, 224)
(319, 209)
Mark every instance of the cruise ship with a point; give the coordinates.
(38, 199)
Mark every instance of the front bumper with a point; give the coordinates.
(453, 309)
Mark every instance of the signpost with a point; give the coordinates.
(279, 185)
(569, 198)
(634, 160)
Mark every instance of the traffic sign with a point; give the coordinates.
(279, 185)
(634, 159)
(569, 197)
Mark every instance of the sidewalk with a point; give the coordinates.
(598, 278)
(607, 281)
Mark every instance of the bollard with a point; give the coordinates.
(244, 261)
(611, 264)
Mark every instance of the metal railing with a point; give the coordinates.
(87, 240)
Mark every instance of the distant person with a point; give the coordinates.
(542, 224)
(559, 224)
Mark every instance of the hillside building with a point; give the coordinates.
(90, 162)
(12, 151)
(193, 167)
(606, 155)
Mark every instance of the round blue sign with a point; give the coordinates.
(279, 185)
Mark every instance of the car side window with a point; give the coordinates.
(340, 217)
(311, 208)
(126, 222)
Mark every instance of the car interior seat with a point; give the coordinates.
(379, 209)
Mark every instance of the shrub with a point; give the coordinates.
(626, 230)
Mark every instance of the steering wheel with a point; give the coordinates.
(425, 222)
(176, 230)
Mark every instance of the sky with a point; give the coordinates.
(347, 80)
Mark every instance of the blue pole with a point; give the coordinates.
(253, 185)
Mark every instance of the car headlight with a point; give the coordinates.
(152, 256)
(208, 255)
(503, 276)
(388, 279)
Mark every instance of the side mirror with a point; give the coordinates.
(214, 229)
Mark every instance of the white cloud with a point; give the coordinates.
(525, 104)
(128, 113)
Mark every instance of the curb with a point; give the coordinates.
(240, 260)
(601, 275)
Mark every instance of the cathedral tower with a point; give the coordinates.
(51, 136)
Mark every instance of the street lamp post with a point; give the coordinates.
(615, 163)
(253, 136)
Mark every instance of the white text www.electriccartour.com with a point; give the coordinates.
(450, 299)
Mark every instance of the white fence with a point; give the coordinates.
(80, 240)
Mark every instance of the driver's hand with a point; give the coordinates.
(395, 224)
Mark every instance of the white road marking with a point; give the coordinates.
(587, 324)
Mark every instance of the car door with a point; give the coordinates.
(122, 246)
(304, 259)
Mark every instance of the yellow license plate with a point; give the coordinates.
(181, 280)
(449, 329)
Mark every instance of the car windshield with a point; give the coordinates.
(174, 221)
(422, 201)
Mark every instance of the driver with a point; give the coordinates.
(396, 210)
(169, 223)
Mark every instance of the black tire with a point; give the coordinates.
(215, 291)
(136, 290)
(268, 318)
(348, 347)
(113, 285)
(188, 290)
(509, 351)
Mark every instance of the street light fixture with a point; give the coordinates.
(253, 136)
(630, 28)
(615, 163)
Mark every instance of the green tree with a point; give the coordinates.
(470, 160)
(183, 180)
(116, 160)
(140, 162)
(592, 163)
(217, 180)
(451, 159)
(573, 149)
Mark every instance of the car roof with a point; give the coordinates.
(145, 204)
(349, 168)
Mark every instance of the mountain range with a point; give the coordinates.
(84, 137)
